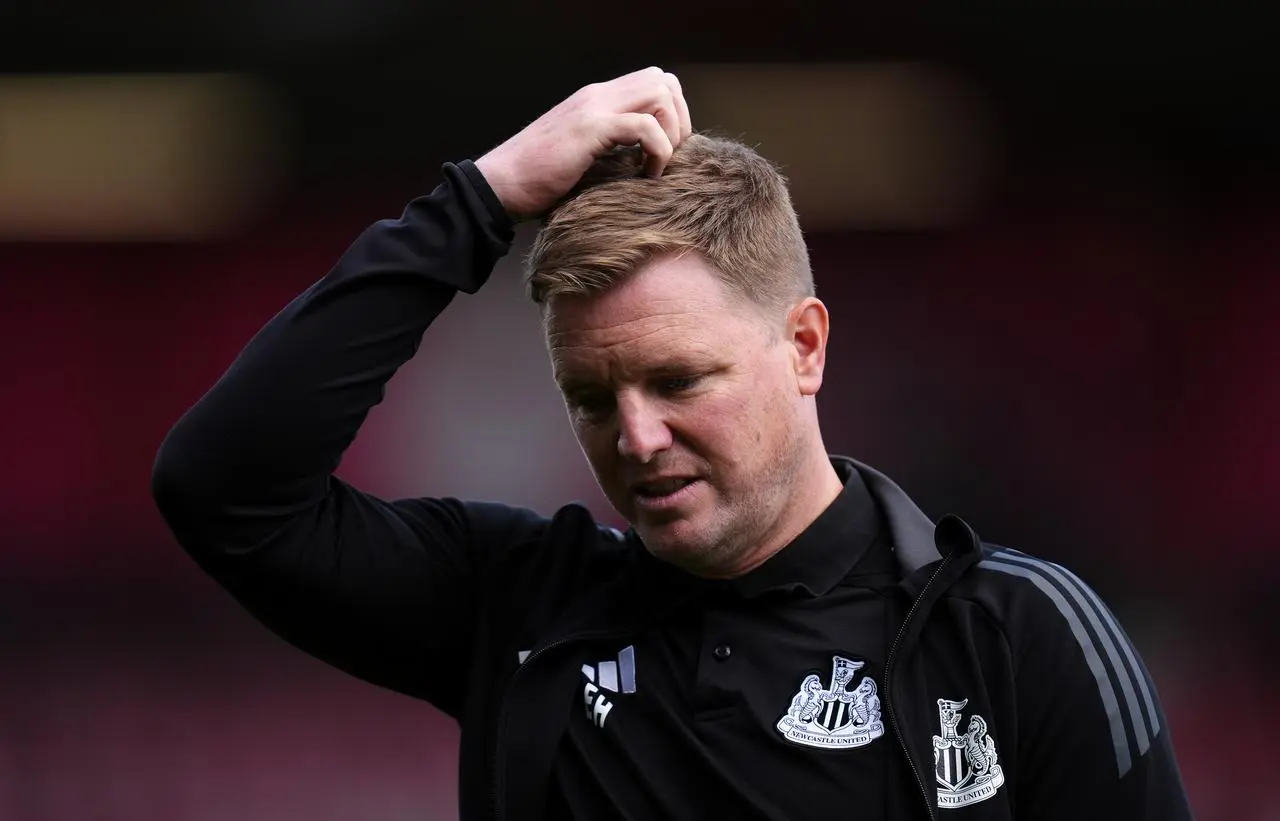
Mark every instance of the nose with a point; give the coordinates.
(642, 430)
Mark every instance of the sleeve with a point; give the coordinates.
(1095, 742)
(385, 590)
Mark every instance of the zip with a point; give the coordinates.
(888, 679)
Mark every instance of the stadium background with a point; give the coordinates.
(1049, 238)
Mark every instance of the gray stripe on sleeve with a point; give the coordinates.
(1109, 638)
(1153, 719)
(1119, 740)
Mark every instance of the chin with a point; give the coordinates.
(675, 544)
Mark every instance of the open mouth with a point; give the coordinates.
(664, 494)
(661, 488)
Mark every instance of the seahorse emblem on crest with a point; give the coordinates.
(966, 766)
(834, 717)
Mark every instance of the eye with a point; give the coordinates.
(680, 383)
(592, 405)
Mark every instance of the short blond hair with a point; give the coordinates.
(717, 197)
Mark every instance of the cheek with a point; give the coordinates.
(729, 425)
(765, 418)
(598, 444)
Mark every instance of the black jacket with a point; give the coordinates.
(436, 598)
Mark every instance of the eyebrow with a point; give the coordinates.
(578, 384)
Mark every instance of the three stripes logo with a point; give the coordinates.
(1121, 679)
(607, 676)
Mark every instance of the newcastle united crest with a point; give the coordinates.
(965, 765)
(834, 716)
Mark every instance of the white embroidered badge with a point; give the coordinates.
(964, 765)
(834, 717)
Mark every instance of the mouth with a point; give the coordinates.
(663, 494)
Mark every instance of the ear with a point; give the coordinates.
(808, 325)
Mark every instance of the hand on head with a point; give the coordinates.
(531, 171)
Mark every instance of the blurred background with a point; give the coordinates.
(1049, 236)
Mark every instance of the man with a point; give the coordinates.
(780, 634)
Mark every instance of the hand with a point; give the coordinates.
(531, 171)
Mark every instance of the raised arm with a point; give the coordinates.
(384, 590)
(245, 480)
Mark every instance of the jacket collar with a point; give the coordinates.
(918, 542)
(912, 530)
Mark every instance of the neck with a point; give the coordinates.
(816, 488)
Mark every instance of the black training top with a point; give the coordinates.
(683, 722)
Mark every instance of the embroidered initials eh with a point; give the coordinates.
(607, 676)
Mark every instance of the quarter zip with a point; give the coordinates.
(888, 682)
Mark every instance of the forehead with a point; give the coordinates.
(669, 310)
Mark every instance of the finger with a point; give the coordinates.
(642, 91)
(668, 116)
(648, 92)
(632, 127)
(682, 105)
(644, 74)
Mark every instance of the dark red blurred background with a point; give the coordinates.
(1077, 353)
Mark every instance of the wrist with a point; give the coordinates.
(499, 180)
(479, 184)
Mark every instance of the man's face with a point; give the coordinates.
(687, 404)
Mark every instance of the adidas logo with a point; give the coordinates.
(612, 676)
